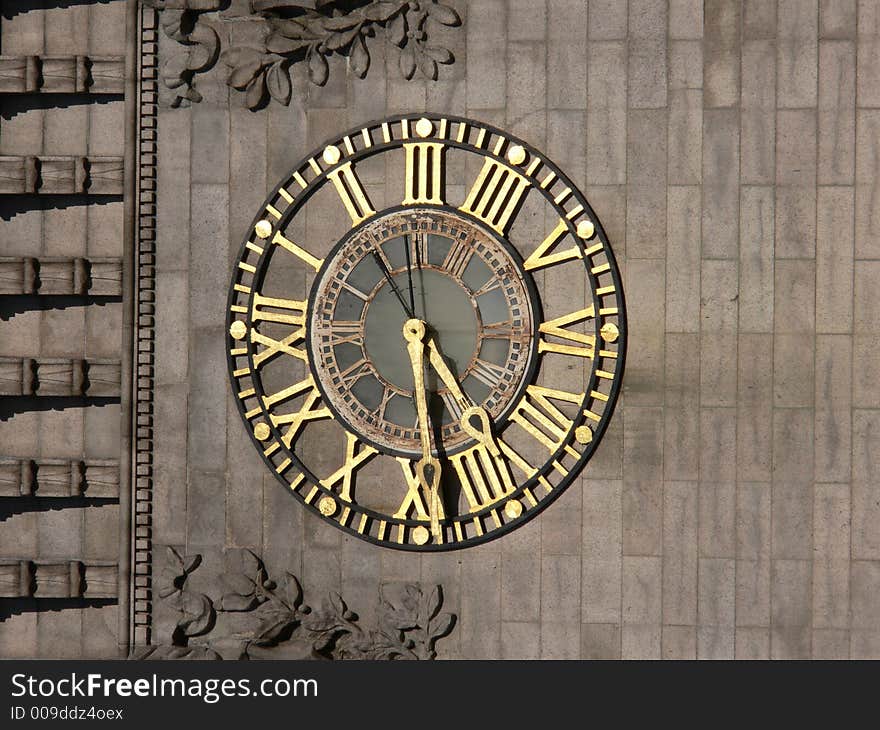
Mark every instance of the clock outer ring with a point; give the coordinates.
(528, 285)
(616, 383)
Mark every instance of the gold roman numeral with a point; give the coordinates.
(496, 195)
(541, 256)
(292, 312)
(295, 421)
(413, 496)
(556, 328)
(424, 173)
(356, 454)
(354, 198)
(543, 420)
(297, 251)
(485, 477)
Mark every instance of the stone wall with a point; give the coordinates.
(61, 246)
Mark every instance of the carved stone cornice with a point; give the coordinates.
(282, 626)
(59, 478)
(60, 175)
(62, 74)
(290, 32)
(46, 579)
(27, 376)
(25, 275)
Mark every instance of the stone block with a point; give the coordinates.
(520, 587)
(834, 259)
(793, 370)
(837, 18)
(601, 563)
(865, 587)
(487, 50)
(684, 134)
(685, 65)
(759, 18)
(865, 488)
(679, 642)
(561, 589)
(797, 53)
(646, 177)
(681, 422)
(718, 370)
(606, 115)
(641, 498)
(686, 19)
(721, 51)
(642, 590)
(526, 20)
(646, 317)
(526, 100)
(647, 73)
(756, 245)
(608, 20)
(639, 641)
(520, 640)
(752, 643)
(600, 641)
(837, 114)
(720, 182)
(867, 243)
(680, 519)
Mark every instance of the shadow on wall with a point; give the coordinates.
(10, 506)
(16, 606)
(15, 104)
(13, 205)
(10, 10)
(12, 305)
(13, 404)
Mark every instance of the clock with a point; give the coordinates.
(426, 332)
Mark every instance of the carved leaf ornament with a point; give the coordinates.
(294, 32)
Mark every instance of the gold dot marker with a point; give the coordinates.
(327, 506)
(516, 155)
(331, 154)
(513, 509)
(261, 431)
(583, 434)
(420, 534)
(609, 332)
(586, 229)
(238, 329)
(263, 228)
(424, 129)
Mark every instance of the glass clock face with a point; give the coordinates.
(465, 284)
(432, 373)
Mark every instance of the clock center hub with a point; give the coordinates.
(442, 303)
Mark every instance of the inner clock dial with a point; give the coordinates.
(443, 269)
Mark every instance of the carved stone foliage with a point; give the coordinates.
(290, 32)
(274, 622)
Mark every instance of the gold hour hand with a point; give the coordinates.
(474, 420)
(446, 376)
(482, 432)
(428, 468)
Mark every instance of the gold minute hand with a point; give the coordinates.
(414, 334)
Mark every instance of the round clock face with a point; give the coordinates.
(430, 373)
